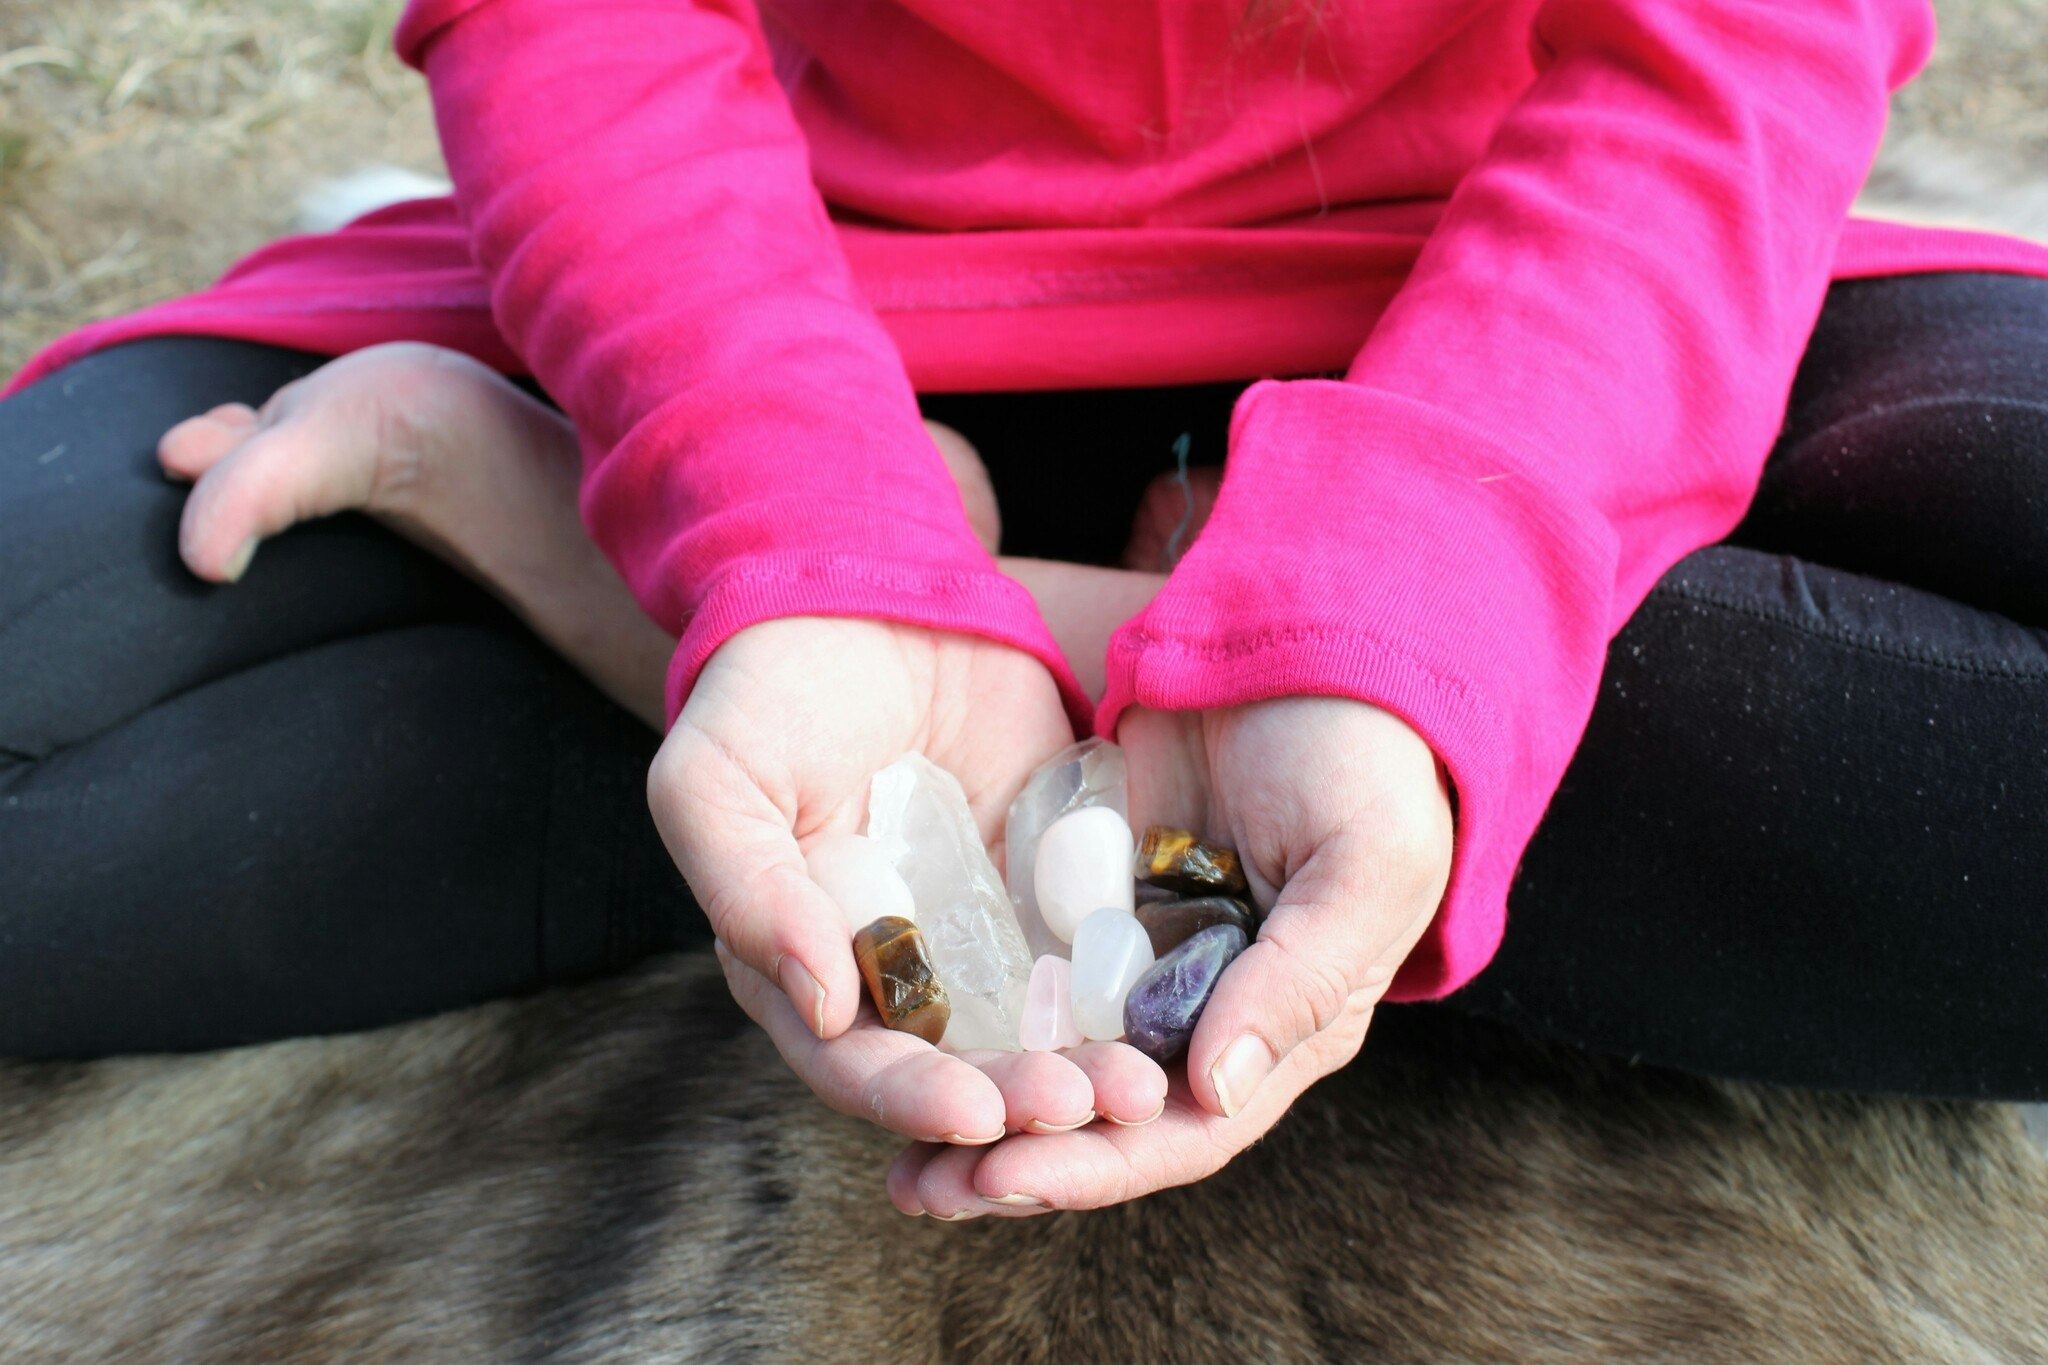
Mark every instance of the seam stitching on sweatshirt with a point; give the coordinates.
(843, 571)
(1840, 636)
(1137, 640)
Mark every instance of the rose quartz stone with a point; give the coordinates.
(1049, 1007)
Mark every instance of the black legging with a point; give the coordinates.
(1803, 841)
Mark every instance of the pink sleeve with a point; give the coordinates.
(639, 197)
(1576, 388)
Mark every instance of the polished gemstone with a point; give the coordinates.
(1172, 923)
(1111, 951)
(1177, 860)
(919, 817)
(861, 880)
(1163, 1006)
(1049, 1007)
(1083, 865)
(898, 969)
(1083, 776)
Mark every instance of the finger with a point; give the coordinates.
(947, 1188)
(196, 444)
(1103, 1164)
(893, 1079)
(279, 476)
(1324, 956)
(901, 1181)
(1130, 1088)
(739, 854)
(1043, 1092)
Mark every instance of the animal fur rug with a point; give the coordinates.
(627, 1172)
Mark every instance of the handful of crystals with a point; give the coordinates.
(1097, 935)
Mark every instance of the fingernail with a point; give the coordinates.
(1238, 1071)
(804, 992)
(1137, 1123)
(1015, 1201)
(239, 565)
(1038, 1126)
(960, 1217)
(962, 1140)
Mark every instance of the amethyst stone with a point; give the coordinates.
(1161, 1010)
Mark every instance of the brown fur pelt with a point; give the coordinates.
(626, 1172)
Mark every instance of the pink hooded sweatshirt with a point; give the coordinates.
(1559, 257)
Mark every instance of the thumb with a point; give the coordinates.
(738, 851)
(1345, 920)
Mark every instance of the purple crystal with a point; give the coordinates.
(1161, 1010)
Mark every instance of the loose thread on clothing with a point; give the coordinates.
(1181, 446)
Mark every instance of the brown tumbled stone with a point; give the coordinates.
(1177, 860)
(898, 969)
(1172, 923)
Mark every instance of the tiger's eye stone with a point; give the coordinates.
(1172, 923)
(1177, 860)
(898, 969)
(1161, 1011)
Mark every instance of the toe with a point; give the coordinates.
(197, 444)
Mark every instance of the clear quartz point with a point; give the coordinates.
(919, 817)
(1091, 773)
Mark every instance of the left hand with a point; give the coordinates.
(1342, 817)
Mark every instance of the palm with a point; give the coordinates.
(783, 731)
(1341, 815)
(805, 711)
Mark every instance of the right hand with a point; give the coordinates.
(774, 749)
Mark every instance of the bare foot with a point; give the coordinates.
(1170, 515)
(970, 475)
(446, 452)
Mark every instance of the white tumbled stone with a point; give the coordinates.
(1111, 951)
(1049, 1007)
(918, 816)
(1091, 773)
(1083, 865)
(860, 878)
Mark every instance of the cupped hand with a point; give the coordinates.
(774, 749)
(1342, 817)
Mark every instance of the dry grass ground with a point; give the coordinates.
(145, 144)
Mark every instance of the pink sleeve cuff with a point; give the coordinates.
(806, 583)
(1438, 578)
